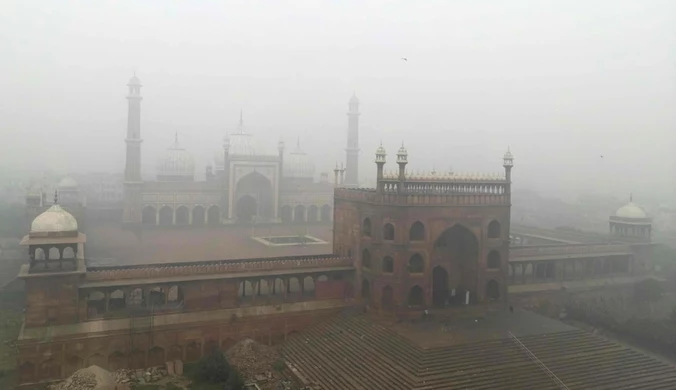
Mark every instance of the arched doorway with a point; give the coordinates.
(415, 296)
(312, 213)
(214, 215)
(439, 286)
(387, 298)
(182, 216)
(149, 216)
(166, 216)
(365, 290)
(457, 248)
(198, 215)
(492, 289)
(326, 213)
(246, 208)
(286, 214)
(299, 213)
(258, 187)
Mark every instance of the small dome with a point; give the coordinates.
(54, 220)
(381, 151)
(508, 155)
(67, 183)
(354, 99)
(402, 151)
(630, 210)
(176, 162)
(299, 165)
(134, 81)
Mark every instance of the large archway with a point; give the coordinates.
(246, 208)
(457, 248)
(259, 188)
(439, 286)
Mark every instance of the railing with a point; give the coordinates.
(215, 267)
(423, 198)
(554, 250)
(537, 361)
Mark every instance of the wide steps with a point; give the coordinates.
(351, 352)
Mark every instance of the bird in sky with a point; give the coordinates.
(601, 156)
(404, 58)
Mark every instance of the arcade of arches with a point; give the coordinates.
(303, 213)
(181, 215)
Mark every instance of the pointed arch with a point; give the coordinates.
(27, 372)
(366, 227)
(299, 213)
(313, 213)
(416, 264)
(117, 300)
(325, 213)
(175, 353)
(493, 289)
(494, 229)
(73, 363)
(166, 216)
(415, 296)
(365, 289)
(182, 215)
(388, 265)
(388, 232)
(198, 215)
(149, 215)
(214, 215)
(417, 232)
(49, 369)
(308, 285)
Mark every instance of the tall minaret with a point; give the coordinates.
(352, 150)
(132, 170)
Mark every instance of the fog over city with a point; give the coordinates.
(583, 92)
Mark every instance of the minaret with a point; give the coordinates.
(402, 160)
(508, 163)
(380, 163)
(132, 171)
(352, 150)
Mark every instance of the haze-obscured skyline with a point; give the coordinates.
(563, 83)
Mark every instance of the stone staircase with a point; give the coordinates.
(351, 352)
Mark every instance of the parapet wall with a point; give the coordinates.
(215, 267)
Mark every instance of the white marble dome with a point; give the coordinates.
(630, 210)
(244, 144)
(176, 162)
(299, 165)
(54, 220)
(67, 182)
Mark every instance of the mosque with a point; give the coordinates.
(245, 183)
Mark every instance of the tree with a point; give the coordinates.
(214, 368)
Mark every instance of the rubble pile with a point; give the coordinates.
(255, 363)
(140, 376)
(90, 378)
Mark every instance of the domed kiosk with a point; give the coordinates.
(299, 165)
(630, 223)
(54, 241)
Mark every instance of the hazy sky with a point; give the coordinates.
(561, 82)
